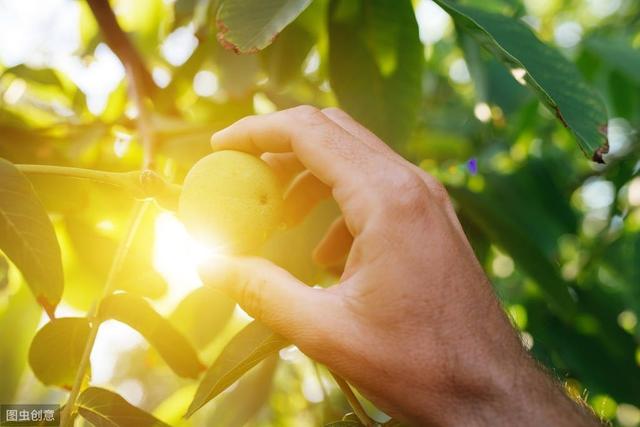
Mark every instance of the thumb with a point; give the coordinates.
(273, 296)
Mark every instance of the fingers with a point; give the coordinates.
(364, 174)
(305, 192)
(254, 135)
(366, 136)
(437, 190)
(354, 171)
(326, 149)
(346, 122)
(273, 296)
(335, 245)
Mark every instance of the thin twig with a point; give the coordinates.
(354, 402)
(136, 216)
(141, 85)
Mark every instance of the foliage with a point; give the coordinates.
(527, 112)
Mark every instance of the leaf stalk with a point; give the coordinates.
(136, 217)
(355, 404)
(140, 184)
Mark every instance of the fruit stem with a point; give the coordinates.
(139, 209)
(358, 410)
(118, 179)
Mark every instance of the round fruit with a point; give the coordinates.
(231, 200)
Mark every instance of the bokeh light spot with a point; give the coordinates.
(482, 111)
(205, 83)
(604, 406)
(502, 266)
(628, 415)
(627, 320)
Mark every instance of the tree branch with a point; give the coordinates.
(141, 87)
(120, 44)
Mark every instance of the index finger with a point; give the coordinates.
(324, 148)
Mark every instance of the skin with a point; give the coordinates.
(413, 322)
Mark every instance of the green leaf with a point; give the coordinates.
(56, 350)
(527, 229)
(4, 272)
(173, 407)
(245, 350)
(618, 54)
(240, 405)
(602, 361)
(27, 237)
(19, 318)
(44, 76)
(202, 315)
(284, 59)
(172, 346)
(507, 7)
(247, 26)
(555, 79)
(237, 73)
(104, 408)
(375, 64)
(344, 424)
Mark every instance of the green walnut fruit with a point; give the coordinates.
(231, 200)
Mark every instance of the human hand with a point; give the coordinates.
(413, 323)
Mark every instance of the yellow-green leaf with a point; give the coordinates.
(245, 350)
(56, 350)
(104, 408)
(243, 403)
(172, 346)
(27, 237)
(250, 25)
(202, 314)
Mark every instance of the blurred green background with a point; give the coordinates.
(557, 233)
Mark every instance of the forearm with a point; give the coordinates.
(491, 380)
(528, 397)
(540, 399)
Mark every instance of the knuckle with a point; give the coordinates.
(307, 113)
(404, 195)
(438, 191)
(410, 190)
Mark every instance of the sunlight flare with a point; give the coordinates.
(177, 256)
